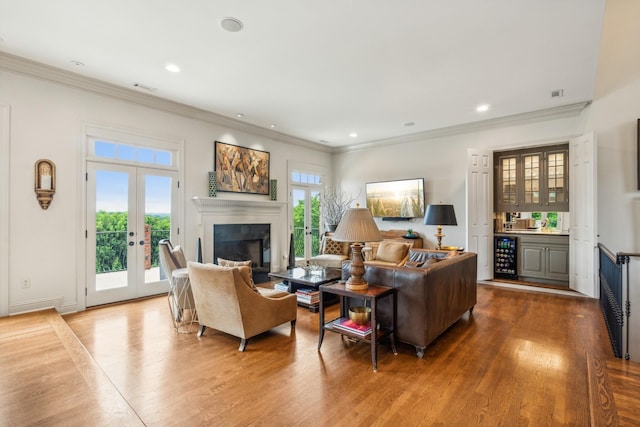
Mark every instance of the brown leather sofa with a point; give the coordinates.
(432, 295)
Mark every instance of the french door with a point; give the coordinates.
(129, 209)
(306, 223)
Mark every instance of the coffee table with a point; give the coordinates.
(296, 278)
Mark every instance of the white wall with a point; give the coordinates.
(442, 163)
(46, 121)
(613, 117)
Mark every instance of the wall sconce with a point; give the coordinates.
(45, 182)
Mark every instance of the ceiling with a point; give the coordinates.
(320, 70)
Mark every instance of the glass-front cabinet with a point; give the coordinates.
(534, 179)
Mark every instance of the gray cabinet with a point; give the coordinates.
(532, 180)
(544, 258)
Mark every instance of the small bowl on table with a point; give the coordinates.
(360, 315)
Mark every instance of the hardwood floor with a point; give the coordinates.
(519, 359)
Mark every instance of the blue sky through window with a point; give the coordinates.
(112, 188)
(112, 192)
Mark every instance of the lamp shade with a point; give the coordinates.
(440, 215)
(357, 225)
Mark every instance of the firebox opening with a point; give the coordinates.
(241, 242)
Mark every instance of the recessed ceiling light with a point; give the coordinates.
(77, 64)
(482, 108)
(272, 126)
(239, 115)
(353, 135)
(233, 25)
(409, 124)
(172, 68)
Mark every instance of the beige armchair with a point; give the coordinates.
(332, 254)
(227, 301)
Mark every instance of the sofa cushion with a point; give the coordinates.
(332, 247)
(391, 251)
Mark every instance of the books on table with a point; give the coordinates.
(308, 295)
(346, 324)
(281, 287)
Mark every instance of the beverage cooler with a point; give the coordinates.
(505, 259)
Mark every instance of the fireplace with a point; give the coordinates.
(213, 212)
(241, 242)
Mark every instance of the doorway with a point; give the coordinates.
(129, 210)
(305, 206)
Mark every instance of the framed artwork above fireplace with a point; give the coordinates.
(241, 169)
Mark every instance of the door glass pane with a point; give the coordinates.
(315, 223)
(298, 197)
(509, 180)
(531, 178)
(555, 172)
(157, 222)
(112, 211)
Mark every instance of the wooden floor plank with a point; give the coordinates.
(519, 359)
(48, 378)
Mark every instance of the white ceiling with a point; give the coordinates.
(320, 70)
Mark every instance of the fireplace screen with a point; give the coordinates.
(242, 242)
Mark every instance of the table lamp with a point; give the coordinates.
(356, 226)
(440, 215)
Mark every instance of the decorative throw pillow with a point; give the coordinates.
(391, 251)
(330, 246)
(228, 263)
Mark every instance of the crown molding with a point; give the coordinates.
(564, 111)
(29, 68)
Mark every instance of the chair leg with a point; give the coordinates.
(201, 330)
(293, 324)
(243, 344)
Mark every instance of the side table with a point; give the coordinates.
(372, 294)
(181, 304)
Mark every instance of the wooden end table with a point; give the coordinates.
(373, 294)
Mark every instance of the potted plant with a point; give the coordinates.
(333, 204)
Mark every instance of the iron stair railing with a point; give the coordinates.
(611, 296)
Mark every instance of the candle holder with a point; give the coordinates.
(45, 182)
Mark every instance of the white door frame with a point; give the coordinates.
(89, 131)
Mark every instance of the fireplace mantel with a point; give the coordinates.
(214, 205)
(213, 210)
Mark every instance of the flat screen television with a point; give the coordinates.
(396, 199)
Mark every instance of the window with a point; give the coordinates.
(109, 150)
